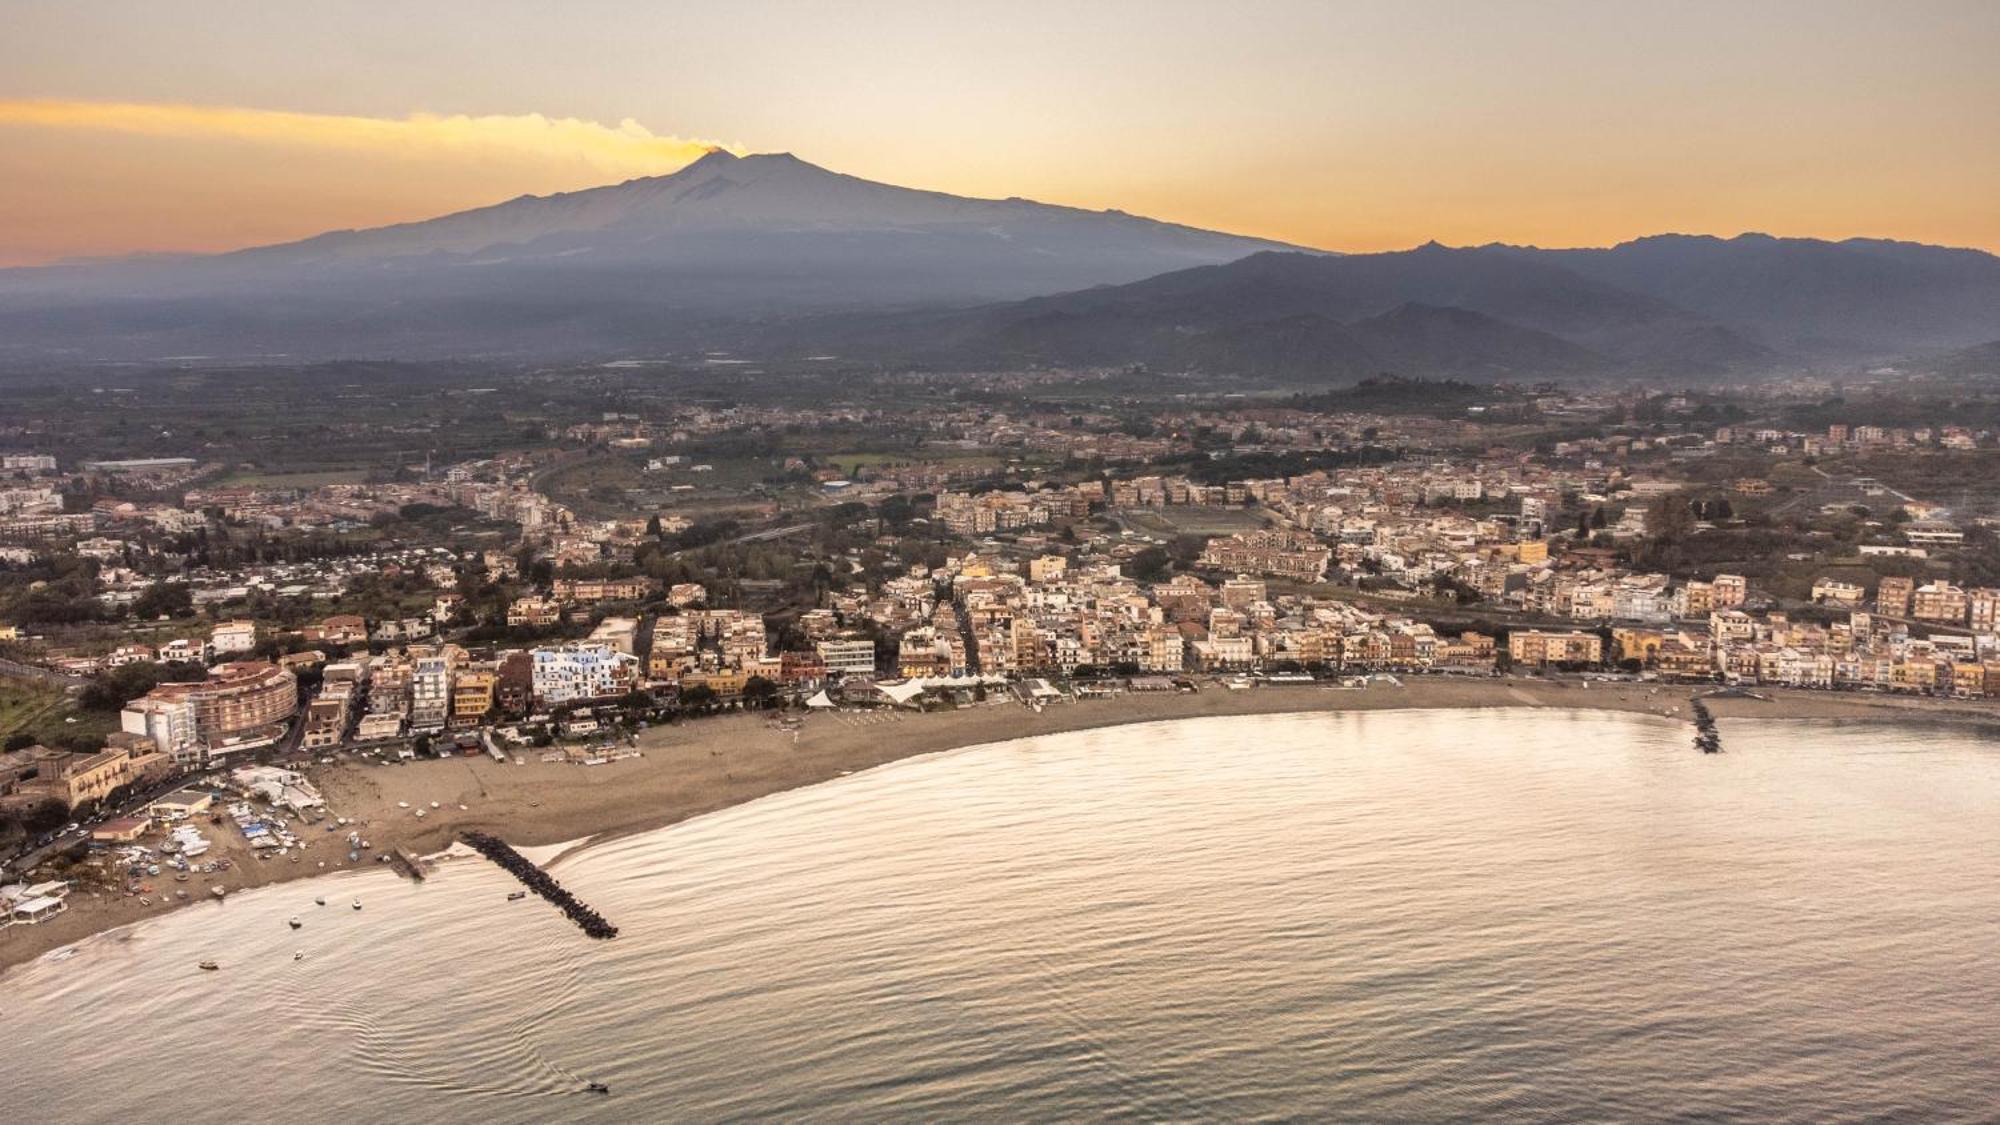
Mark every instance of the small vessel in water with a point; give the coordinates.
(210, 966)
(298, 955)
(320, 901)
(598, 1088)
(295, 923)
(357, 904)
(516, 896)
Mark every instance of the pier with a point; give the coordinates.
(408, 864)
(541, 882)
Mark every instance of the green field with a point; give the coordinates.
(43, 712)
(250, 478)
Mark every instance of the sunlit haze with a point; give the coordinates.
(128, 127)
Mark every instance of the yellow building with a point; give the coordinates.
(472, 697)
(1535, 648)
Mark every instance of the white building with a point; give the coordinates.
(853, 658)
(430, 693)
(573, 672)
(167, 723)
(233, 637)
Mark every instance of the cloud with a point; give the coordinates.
(626, 149)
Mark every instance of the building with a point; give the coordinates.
(1892, 596)
(233, 638)
(587, 590)
(1938, 601)
(1982, 607)
(536, 613)
(341, 629)
(1729, 591)
(848, 657)
(514, 684)
(74, 778)
(620, 633)
(580, 672)
(240, 706)
(1534, 648)
(430, 693)
(472, 697)
(326, 719)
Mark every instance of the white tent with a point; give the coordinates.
(901, 694)
(819, 702)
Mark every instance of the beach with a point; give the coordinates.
(701, 766)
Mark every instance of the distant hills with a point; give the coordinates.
(1480, 313)
(770, 256)
(1667, 306)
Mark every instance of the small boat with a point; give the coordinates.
(320, 901)
(210, 966)
(218, 892)
(295, 923)
(357, 904)
(517, 896)
(299, 955)
(598, 1088)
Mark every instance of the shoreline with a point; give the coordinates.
(704, 766)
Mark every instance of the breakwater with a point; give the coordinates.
(541, 882)
(1707, 738)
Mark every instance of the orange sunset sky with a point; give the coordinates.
(128, 126)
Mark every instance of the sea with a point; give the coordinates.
(1514, 915)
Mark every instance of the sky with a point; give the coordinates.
(136, 126)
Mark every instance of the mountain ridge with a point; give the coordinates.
(771, 252)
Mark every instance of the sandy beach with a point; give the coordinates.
(699, 767)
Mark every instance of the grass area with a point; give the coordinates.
(956, 459)
(24, 704)
(253, 479)
(612, 486)
(45, 714)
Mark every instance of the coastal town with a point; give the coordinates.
(191, 640)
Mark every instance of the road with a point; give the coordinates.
(43, 675)
(754, 537)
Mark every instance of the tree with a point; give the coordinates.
(1150, 565)
(45, 815)
(759, 692)
(164, 599)
(1670, 519)
(113, 688)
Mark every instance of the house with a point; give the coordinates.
(341, 629)
(233, 638)
(533, 612)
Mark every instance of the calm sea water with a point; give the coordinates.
(1388, 916)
